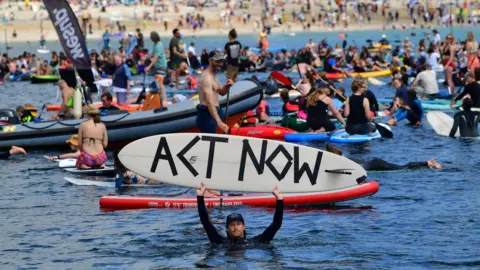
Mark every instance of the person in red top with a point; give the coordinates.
(263, 111)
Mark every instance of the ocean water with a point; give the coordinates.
(425, 219)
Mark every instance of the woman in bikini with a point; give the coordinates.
(449, 51)
(471, 47)
(92, 140)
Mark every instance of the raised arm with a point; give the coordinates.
(212, 233)
(270, 232)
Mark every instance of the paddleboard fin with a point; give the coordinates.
(361, 179)
(339, 171)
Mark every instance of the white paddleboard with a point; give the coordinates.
(441, 123)
(98, 183)
(104, 83)
(237, 163)
(67, 163)
(43, 51)
(99, 171)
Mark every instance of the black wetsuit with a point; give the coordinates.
(318, 117)
(4, 154)
(372, 100)
(376, 164)
(473, 90)
(216, 238)
(466, 129)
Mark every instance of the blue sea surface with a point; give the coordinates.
(426, 219)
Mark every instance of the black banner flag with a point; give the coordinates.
(69, 32)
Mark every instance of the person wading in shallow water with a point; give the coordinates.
(235, 224)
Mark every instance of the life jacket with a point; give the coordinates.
(191, 82)
(249, 119)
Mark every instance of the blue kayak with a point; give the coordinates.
(306, 137)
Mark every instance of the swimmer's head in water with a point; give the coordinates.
(235, 226)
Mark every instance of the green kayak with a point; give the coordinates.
(294, 122)
(45, 79)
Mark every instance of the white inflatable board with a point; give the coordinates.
(43, 51)
(441, 123)
(237, 163)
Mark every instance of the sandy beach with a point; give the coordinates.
(27, 23)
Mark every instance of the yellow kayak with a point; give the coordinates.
(372, 74)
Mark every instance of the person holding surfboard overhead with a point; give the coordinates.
(13, 151)
(235, 224)
(92, 140)
(357, 111)
(209, 112)
(466, 120)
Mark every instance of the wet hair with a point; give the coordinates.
(107, 95)
(233, 34)
(175, 31)
(21, 109)
(332, 149)
(154, 36)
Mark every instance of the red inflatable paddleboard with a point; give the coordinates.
(125, 202)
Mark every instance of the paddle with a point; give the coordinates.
(142, 95)
(226, 122)
(279, 77)
(41, 111)
(384, 132)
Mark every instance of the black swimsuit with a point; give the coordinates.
(318, 117)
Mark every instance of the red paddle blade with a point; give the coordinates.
(279, 77)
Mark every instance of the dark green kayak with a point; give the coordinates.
(294, 122)
(45, 79)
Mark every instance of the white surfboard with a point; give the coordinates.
(96, 171)
(106, 183)
(237, 163)
(441, 123)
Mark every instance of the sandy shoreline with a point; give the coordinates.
(29, 30)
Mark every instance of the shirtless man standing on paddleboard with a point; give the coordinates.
(235, 224)
(209, 112)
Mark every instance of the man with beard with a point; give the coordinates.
(209, 112)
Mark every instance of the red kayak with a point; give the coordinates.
(335, 76)
(128, 202)
(262, 131)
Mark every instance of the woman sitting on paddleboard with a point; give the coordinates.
(317, 107)
(377, 164)
(92, 140)
(466, 120)
(13, 151)
(357, 111)
(410, 109)
(73, 143)
(235, 224)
